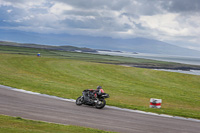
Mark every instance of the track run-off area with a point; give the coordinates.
(36, 106)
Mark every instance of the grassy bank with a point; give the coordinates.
(128, 87)
(18, 125)
(108, 59)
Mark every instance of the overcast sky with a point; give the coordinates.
(172, 21)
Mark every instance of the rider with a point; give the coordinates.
(98, 91)
(94, 93)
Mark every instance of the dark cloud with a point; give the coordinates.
(97, 4)
(81, 13)
(181, 5)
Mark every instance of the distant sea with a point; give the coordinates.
(177, 59)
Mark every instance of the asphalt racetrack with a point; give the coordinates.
(43, 108)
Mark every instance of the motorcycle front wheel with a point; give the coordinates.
(100, 104)
(79, 101)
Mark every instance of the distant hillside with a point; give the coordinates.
(138, 45)
(61, 48)
(144, 45)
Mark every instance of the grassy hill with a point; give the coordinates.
(48, 47)
(67, 54)
(67, 74)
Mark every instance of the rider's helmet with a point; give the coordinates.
(99, 87)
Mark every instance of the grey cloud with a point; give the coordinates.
(106, 24)
(140, 7)
(81, 13)
(181, 5)
(79, 24)
(97, 4)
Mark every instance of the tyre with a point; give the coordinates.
(100, 104)
(79, 101)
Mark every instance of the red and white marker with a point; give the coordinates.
(155, 103)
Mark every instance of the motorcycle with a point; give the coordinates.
(89, 97)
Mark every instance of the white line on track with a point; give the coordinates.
(112, 107)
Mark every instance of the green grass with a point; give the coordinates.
(83, 56)
(128, 87)
(18, 125)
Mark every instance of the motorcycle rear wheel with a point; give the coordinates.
(100, 104)
(79, 101)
